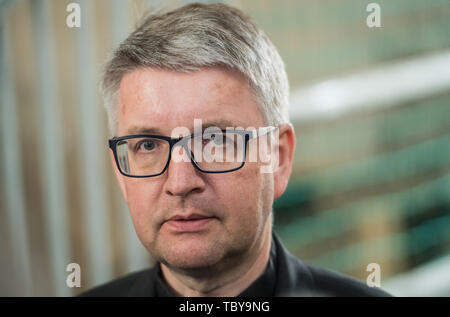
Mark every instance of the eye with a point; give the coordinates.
(147, 145)
(218, 139)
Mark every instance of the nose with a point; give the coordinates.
(182, 177)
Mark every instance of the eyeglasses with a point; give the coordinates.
(213, 151)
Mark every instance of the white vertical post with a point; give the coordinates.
(51, 148)
(93, 143)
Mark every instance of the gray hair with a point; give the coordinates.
(202, 35)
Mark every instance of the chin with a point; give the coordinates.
(191, 254)
(192, 264)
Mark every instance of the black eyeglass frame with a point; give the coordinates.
(182, 141)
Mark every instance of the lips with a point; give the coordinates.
(189, 223)
(189, 217)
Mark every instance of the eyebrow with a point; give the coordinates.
(143, 130)
(222, 124)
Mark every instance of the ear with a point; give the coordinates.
(286, 147)
(119, 176)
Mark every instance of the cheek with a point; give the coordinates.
(248, 197)
(141, 202)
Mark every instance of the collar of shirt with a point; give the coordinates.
(263, 286)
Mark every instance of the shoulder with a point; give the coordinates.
(296, 278)
(139, 283)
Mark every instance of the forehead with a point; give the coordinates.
(163, 100)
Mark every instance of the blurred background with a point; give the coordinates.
(371, 110)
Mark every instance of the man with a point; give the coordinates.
(205, 217)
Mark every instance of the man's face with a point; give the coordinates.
(238, 204)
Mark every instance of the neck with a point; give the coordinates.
(230, 282)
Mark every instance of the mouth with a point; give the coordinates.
(189, 223)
